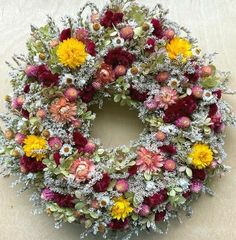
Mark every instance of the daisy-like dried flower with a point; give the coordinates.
(63, 111)
(166, 97)
(148, 161)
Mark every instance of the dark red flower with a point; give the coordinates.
(187, 194)
(118, 56)
(87, 93)
(119, 224)
(193, 77)
(213, 109)
(110, 18)
(26, 88)
(63, 201)
(133, 170)
(24, 113)
(218, 93)
(65, 34)
(199, 174)
(160, 216)
(56, 157)
(137, 95)
(183, 107)
(170, 149)
(79, 139)
(30, 165)
(151, 42)
(158, 30)
(91, 47)
(46, 77)
(102, 185)
(156, 199)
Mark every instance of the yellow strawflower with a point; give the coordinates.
(201, 156)
(121, 209)
(35, 147)
(179, 47)
(72, 53)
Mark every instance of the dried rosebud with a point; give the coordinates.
(170, 165)
(162, 77)
(183, 122)
(206, 71)
(197, 91)
(160, 136)
(90, 147)
(169, 33)
(9, 134)
(19, 138)
(71, 94)
(120, 70)
(127, 33)
(144, 210)
(41, 113)
(122, 186)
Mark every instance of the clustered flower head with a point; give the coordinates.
(137, 58)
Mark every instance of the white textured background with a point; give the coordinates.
(213, 23)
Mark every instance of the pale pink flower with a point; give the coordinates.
(166, 97)
(148, 161)
(82, 168)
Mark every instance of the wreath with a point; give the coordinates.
(136, 57)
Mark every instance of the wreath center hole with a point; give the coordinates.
(116, 125)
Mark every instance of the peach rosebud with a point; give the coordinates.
(160, 136)
(71, 93)
(76, 123)
(206, 71)
(169, 33)
(127, 33)
(197, 91)
(19, 138)
(183, 122)
(120, 70)
(41, 113)
(89, 147)
(54, 43)
(162, 77)
(97, 85)
(144, 210)
(95, 204)
(9, 134)
(170, 165)
(151, 104)
(122, 186)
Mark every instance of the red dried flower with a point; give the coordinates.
(63, 201)
(30, 165)
(136, 95)
(57, 157)
(65, 34)
(102, 185)
(87, 93)
(199, 174)
(151, 42)
(158, 30)
(133, 170)
(160, 216)
(119, 224)
(156, 199)
(110, 18)
(105, 74)
(183, 107)
(90, 47)
(170, 149)
(118, 56)
(79, 139)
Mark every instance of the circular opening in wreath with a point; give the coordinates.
(116, 125)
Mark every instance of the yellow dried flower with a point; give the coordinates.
(121, 209)
(179, 47)
(35, 147)
(72, 53)
(201, 156)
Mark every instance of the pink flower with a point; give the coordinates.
(166, 97)
(144, 210)
(81, 34)
(55, 143)
(122, 186)
(148, 161)
(196, 186)
(82, 169)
